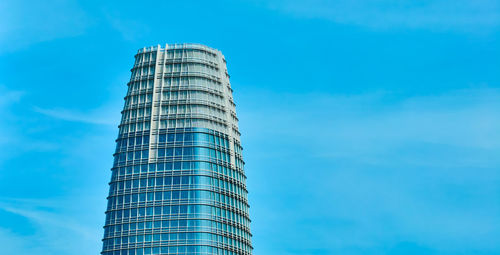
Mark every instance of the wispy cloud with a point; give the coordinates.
(70, 115)
(26, 22)
(374, 170)
(374, 126)
(13, 243)
(50, 220)
(462, 15)
(53, 220)
(8, 96)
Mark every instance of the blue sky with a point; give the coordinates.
(369, 126)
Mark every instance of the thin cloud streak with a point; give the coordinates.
(371, 127)
(9, 96)
(13, 243)
(68, 115)
(374, 170)
(459, 15)
(52, 220)
(27, 22)
(49, 217)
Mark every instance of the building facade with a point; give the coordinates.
(178, 184)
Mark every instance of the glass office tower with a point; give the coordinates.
(178, 185)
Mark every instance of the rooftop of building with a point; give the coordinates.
(179, 46)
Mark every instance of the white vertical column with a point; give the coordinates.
(155, 104)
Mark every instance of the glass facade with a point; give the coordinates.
(178, 184)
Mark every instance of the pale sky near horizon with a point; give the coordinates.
(368, 126)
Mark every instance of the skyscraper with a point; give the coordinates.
(177, 184)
